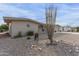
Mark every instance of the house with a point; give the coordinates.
(74, 29)
(58, 28)
(67, 29)
(22, 25)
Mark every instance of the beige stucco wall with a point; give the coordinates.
(10, 28)
(21, 26)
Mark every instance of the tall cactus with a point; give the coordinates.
(50, 22)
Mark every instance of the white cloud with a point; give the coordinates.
(10, 10)
(68, 15)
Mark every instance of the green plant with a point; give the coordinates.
(77, 29)
(30, 33)
(28, 38)
(1, 30)
(4, 27)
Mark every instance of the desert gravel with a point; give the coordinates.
(67, 45)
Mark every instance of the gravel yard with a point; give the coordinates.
(67, 45)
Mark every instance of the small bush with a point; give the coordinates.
(1, 30)
(28, 38)
(30, 33)
(20, 34)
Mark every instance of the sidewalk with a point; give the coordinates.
(69, 32)
(3, 32)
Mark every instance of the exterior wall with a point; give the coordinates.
(62, 29)
(21, 26)
(58, 28)
(66, 29)
(42, 29)
(10, 28)
(74, 29)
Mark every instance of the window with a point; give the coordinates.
(28, 25)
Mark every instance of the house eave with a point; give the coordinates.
(10, 19)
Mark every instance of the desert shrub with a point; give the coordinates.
(30, 33)
(28, 38)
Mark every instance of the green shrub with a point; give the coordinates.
(4, 27)
(77, 29)
(1, 30)
(30, 33)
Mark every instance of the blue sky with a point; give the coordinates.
(67, 14)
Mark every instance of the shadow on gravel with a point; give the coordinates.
(4, 35)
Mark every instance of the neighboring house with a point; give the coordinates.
(58, 28)
(74, 29)
(22, 25)
(67, 29)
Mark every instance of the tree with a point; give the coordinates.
(77, 29)
(1, 30)
(50, 22)
(4, 27)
